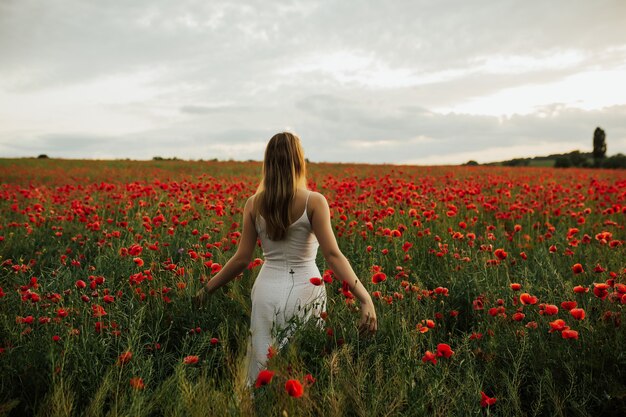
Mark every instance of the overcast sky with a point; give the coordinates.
(420, 82)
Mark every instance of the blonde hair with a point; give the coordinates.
(283, 172)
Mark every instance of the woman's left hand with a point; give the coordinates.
(368, 324)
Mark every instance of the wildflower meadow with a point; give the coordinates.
(499, 291)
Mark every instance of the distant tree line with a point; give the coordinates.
(175, 158)
(574, 159)
(595, 159)
(599, 158)
(614, 161)
(160, 158)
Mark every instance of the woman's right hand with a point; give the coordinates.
(368, 324)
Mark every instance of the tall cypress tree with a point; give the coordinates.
(599, 146)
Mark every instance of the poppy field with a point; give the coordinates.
(499, 291)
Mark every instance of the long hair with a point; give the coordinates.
(283, 172)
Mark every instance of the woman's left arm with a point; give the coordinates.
(240, 260)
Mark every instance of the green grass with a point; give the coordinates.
(530, 371)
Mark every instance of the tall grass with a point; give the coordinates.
(529, 370)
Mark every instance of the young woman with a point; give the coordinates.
(291, 223)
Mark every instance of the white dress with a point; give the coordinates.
(282, 294)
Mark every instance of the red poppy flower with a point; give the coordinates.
(379, 277)
(81, 284)
(316, 281)
(137, 383)
(124, 358)
(138, 261)
(441, 291)
(486, 401)
(271, 352)
(264, 378)
(516, 287)
(569, 334)
(443, 349)
(98, 310)
(135, 249)
(500, 254)
(577, 313)
(548, 309)
(601, 290)
(191, 359)
(558, 325)
(579, 289)
(519, 316)
(478, 303)
(526, 299)
(421, 328)
(294, 388)
(309, 379)
(99, 326)
(568, 305)
(429, 357)
(577, 269)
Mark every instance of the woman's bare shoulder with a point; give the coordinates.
(317, 199)
(250, 202)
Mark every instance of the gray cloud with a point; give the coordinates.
(212, 109)
(452, 135)
(231, 73)
(211, 40)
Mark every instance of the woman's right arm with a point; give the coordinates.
(321, 225)
(239, 261)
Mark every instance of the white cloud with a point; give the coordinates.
(358, 81)
(521, 64)
(100, 104)
(589, 90)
